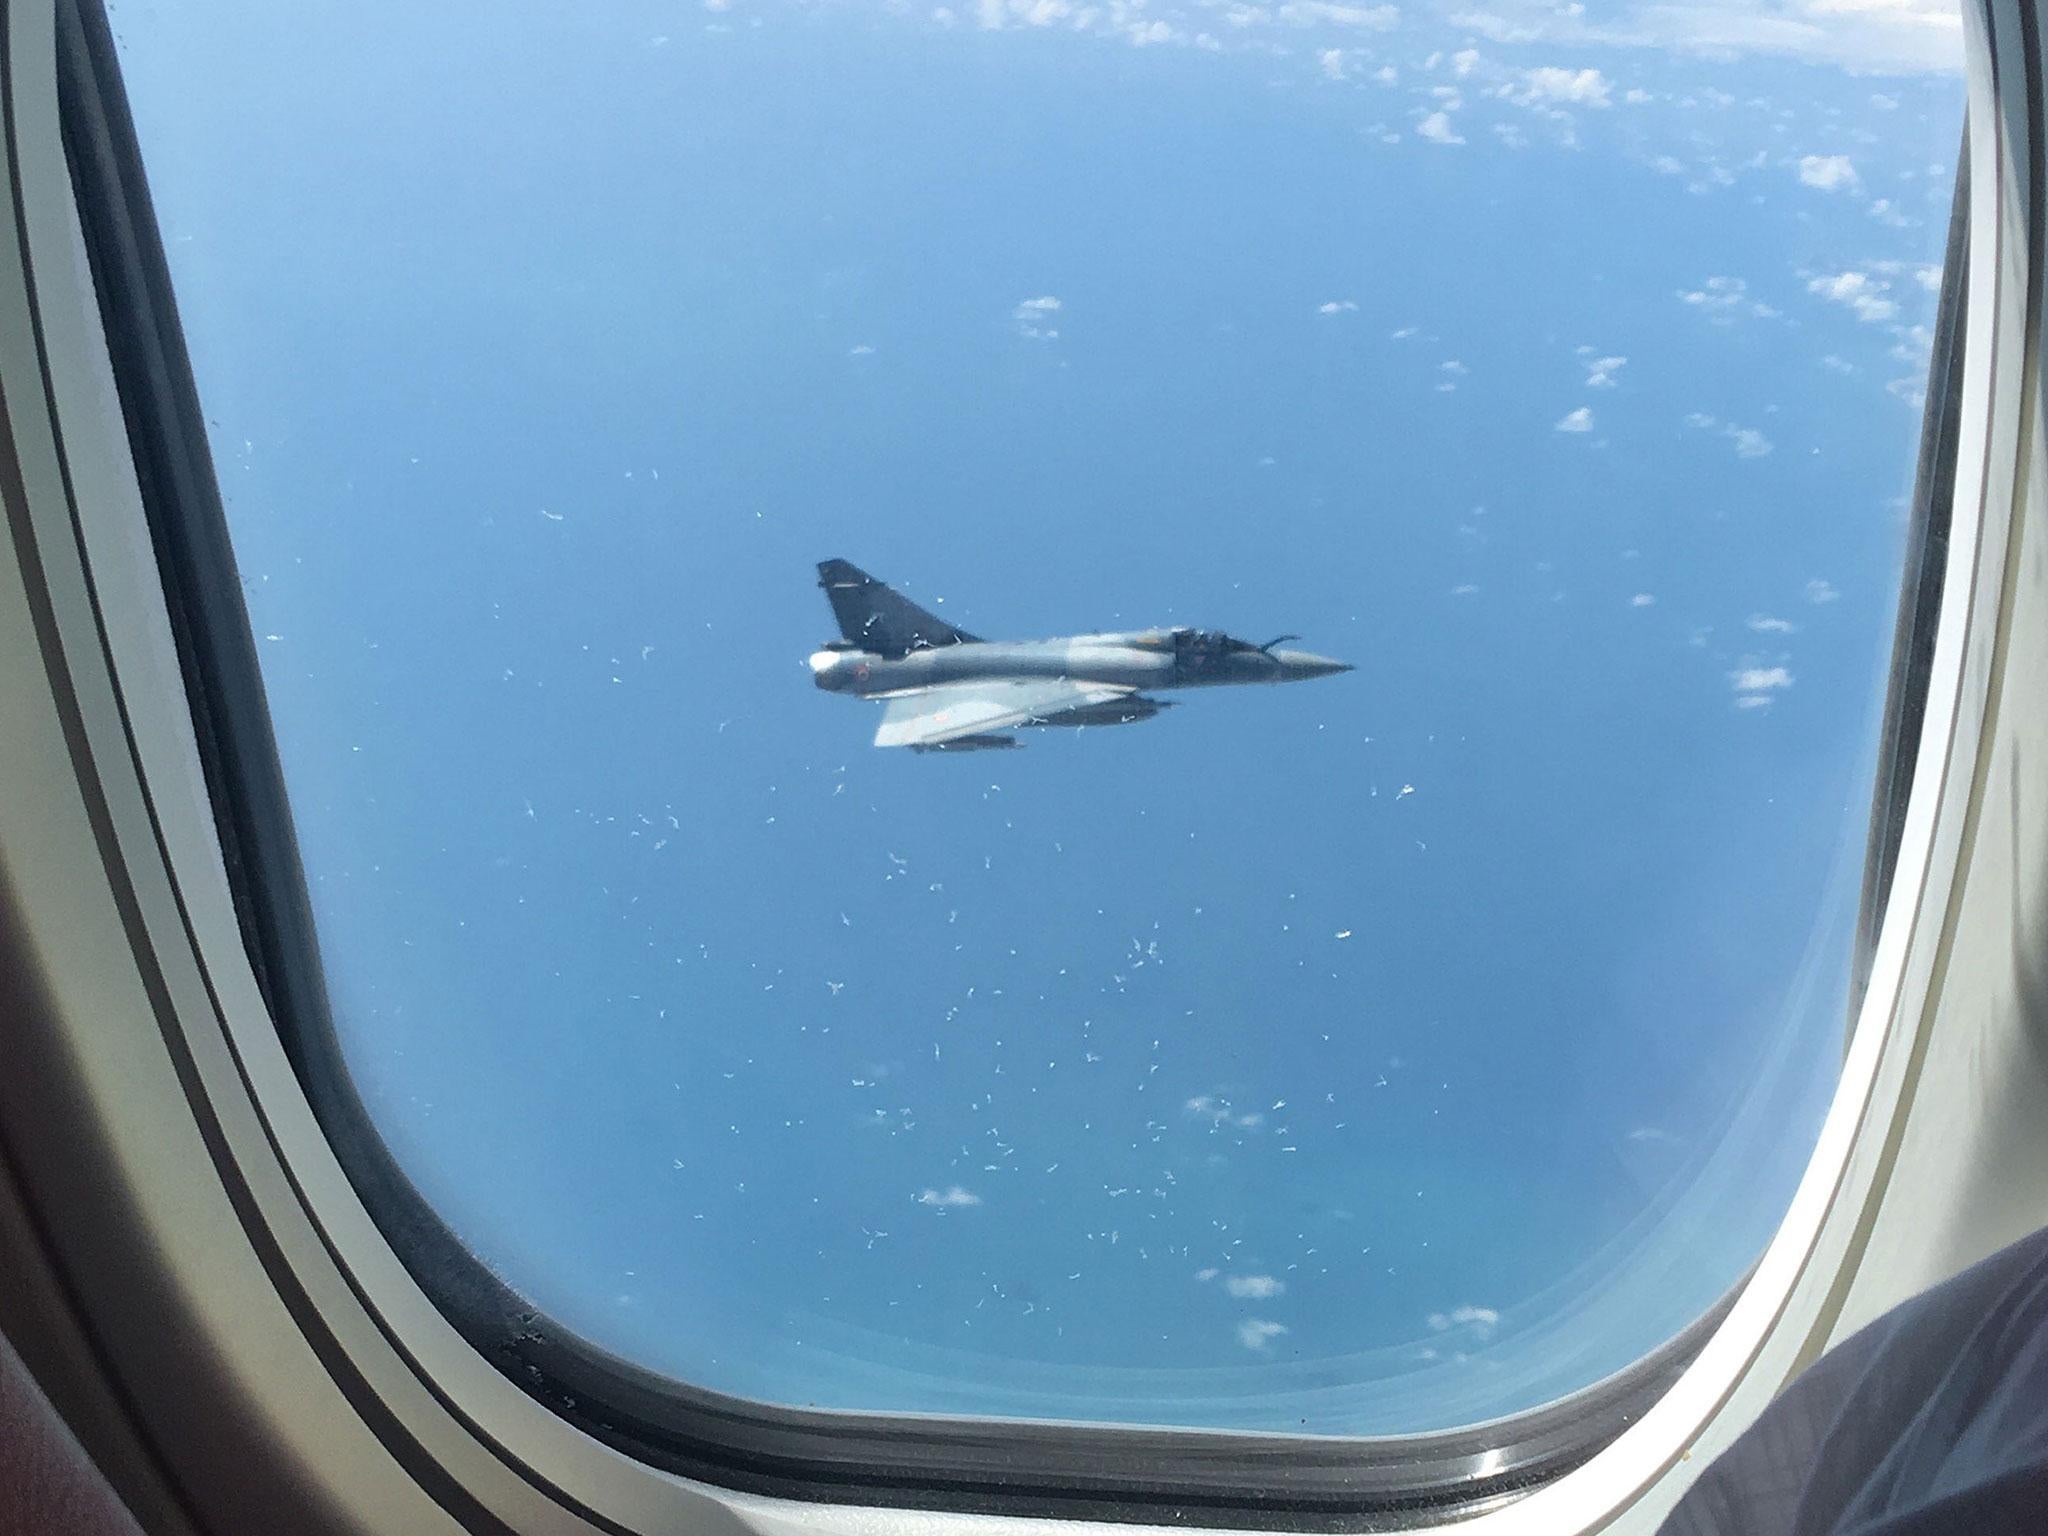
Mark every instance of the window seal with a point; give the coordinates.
(1925, 571)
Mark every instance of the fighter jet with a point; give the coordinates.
(944, 690)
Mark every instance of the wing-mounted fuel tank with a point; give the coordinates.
(1124, 711)
(968, 744)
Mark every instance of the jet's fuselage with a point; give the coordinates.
(1142, 659)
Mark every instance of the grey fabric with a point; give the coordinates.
(1932, 1419)
(48, 1485)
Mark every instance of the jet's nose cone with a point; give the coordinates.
(1298, 665)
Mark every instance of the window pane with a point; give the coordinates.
(1385, 1051)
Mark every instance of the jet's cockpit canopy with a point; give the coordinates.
(1185, 640)
(1215, 642)
(1210, 642)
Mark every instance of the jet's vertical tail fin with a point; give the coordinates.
(878, 618)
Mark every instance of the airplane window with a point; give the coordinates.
(712, 483)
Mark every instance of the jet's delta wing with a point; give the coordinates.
(878, 618)
(932, 717)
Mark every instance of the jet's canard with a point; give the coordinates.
(943, 689)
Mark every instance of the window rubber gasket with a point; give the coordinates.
(969, 1465)
(1925, 570)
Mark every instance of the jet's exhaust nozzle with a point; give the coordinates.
(838, 670)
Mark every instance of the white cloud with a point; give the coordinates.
(1821, 590)
(1914, 344)
(1928, 278)
(1760, 679)
(1437, 129)
(1479, 1321)
(1830, 173)
(949, 1197)
(1859, 292)
(994, 15)
(1710, 176)
(1643, 600)
(1464, 61)
(1256, 1333)
(1580, 420)
(1402, 334)
(1498, 29)
(1218, 1112)
(1600, 371)
(1749, 443)
(1032, 316)
(1338, 307)
(1552, 86)
(1206, 1275)
(1254, 1287)
(1764, 624)
(1332, 62)
(1455, 368)
(1367, 18)
(1870, 36)
(1721, 299)
(862, 350)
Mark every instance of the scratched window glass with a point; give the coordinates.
(1130, 710)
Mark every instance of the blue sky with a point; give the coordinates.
(1382, 1053)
